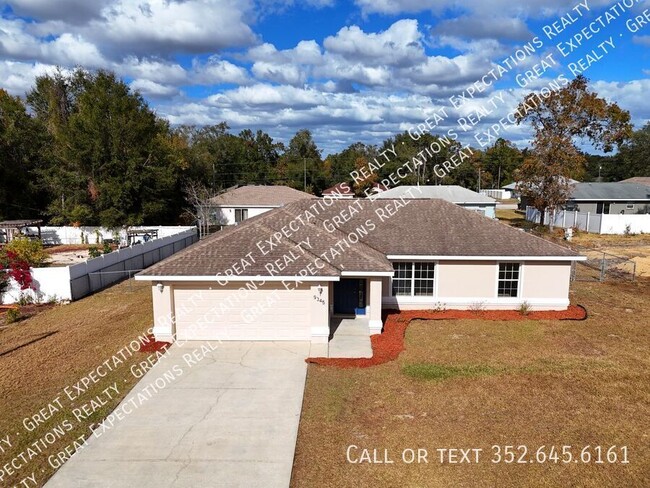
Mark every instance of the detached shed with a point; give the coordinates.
(10, 229)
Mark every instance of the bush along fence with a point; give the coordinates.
(594, 223)
(73, 282)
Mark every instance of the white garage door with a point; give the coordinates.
(270, 313)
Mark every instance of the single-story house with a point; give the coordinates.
(240, 203)
(638, 180)
(285, 274)
(346, 190)
(340, 190)
(452, 193)
(610, 198)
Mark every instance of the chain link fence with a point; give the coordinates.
(601, 266)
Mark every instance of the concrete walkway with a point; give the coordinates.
(230, 419)
(351, 338)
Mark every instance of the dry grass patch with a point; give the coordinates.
(55, 349)
(475, 384)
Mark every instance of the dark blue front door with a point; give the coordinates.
(349, 297)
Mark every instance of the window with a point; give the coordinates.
(402, 280)
(413, 279)
(508, 280)
(241, 214)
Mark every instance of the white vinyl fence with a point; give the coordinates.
(594, 223)
(81, 279)
(52, 236)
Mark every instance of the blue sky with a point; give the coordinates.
(347, 70)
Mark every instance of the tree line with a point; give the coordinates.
(83, 148)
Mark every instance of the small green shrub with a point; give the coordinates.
(25, 299)
(28, 250)
(107, 248)
(93, 252)
(12, 315)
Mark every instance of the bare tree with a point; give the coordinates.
(199, 197)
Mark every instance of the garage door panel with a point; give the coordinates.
(271, 313)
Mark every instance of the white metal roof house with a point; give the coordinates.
(452, 193)
(237, 204)
(285, 274)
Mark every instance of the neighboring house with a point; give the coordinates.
(610, 198)
(525, 201)
(639, 180)
(284, 274)
(237, 204)
(346, 190)
(340, 190)
(452, 193)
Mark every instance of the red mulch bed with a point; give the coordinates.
(390, 343)
(152, 345)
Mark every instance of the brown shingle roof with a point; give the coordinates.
(641, 180)
(362, 233)
(339, 189)
(273, 196)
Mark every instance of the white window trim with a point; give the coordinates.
(412, 296)
(520, 281)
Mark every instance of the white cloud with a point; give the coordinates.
(169, 26)
(217, 71)
(484, 28)
(155, 70)
(72, 11)
(18, 77)
(399, 45)
(67, 49)
(642, 40)
(629, 95)
(529, 9)
(289, 74)
(152, 89)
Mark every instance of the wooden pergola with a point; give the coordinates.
(10, 229)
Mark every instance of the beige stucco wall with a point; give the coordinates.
(464, 284)
(468, 279)
(163, 327)
(546, 280)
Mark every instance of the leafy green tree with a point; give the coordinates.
(501, 161)
(21, 147)
(301, 165)
(110, 163)
(634, 157)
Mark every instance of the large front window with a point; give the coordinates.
(508, 280)
(413, 279)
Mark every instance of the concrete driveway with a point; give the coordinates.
(226, 415)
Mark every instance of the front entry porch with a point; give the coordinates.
(349, 338)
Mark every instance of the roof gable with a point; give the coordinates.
(259, 195)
